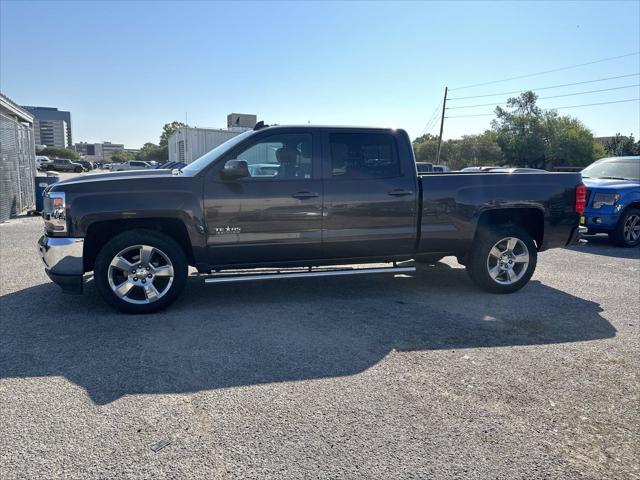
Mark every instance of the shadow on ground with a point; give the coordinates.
(232, 335)
(601, 245)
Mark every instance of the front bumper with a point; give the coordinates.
(598, 219)
(63, 261)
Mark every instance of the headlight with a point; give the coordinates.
(601, 199)
(55, 218)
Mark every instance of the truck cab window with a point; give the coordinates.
(357, 155)
(279, 157)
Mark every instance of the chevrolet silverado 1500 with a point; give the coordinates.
(300, 201)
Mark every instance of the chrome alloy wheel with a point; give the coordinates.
(140, 274)
(632, 229)
(508, 261)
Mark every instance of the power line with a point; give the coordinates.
(552, 96)
(431, 121)
(545, 88)
(553, 108)
(546, 71)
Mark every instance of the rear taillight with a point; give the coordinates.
(581, 198)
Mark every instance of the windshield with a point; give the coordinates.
(197, 165)
(626, 169)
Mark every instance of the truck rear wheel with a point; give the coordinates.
(503, 259)
(140, 271)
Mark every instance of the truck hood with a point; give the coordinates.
(610, 184)
(111, 176)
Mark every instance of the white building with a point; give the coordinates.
(190, 143)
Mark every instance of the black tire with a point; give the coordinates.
(160, 242)
(428, 259)
(618, 235)
(479, 261)
(78, 170)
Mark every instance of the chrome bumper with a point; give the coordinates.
(62, 255)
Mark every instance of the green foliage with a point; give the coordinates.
(622, 146)
(120, 156)
(57, 152)
(459, 153)
(531, 137)
(524, 135)
(520, 131)
(599, 151)
(152, 152)
(568, 142)
(168, 130)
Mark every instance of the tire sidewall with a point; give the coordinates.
(146, 237)
(618, 234)
(485, 240)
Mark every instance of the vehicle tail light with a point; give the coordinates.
(581, 198)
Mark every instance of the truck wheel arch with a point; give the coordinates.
(530, 219)
(99, 233)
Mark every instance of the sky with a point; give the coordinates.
(124, 69)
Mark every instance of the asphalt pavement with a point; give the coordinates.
(407, 376)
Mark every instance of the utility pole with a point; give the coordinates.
(444, 107)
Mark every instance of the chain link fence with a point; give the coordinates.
(17, 168)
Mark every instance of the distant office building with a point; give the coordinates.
(190, 143)
(240, 122)
(98, 152)
(604, 140)
(17, 159)
(51, 127)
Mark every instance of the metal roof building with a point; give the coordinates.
(17, 159)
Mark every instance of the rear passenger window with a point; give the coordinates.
(358, 155)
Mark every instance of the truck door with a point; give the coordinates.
(370, 194)
(274, 214)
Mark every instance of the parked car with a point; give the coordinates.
(86, 164)
(424, 167)
(130, 165)
(361, 203)
(62, 165)
(613, 199)
(42, 162)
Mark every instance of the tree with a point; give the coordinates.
(520, 133)
(531, 137)
(459, 153)
(167, 130)
(120, 156)
(59, 152)
(151, 152)
(568, 142)
(622, 146)
(425, 148)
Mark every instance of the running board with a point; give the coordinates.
(248, 277)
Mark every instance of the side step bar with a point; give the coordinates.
(248, 277)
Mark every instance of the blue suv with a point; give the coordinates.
(613, 199)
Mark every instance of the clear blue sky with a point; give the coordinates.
(125, 69)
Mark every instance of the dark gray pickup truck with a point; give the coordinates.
(299, 202)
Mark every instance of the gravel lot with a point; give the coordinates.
(418, 376)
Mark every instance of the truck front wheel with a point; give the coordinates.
(503, 259)
(627, 232)
(140, 271)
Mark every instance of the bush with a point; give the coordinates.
(57, 152)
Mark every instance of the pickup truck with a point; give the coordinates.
(613, 199)
(338, 197)
(62, 165)
(130, 165)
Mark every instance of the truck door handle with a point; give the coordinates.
(399, 192)
(305, 195)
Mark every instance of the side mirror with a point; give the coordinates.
(234, 169)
